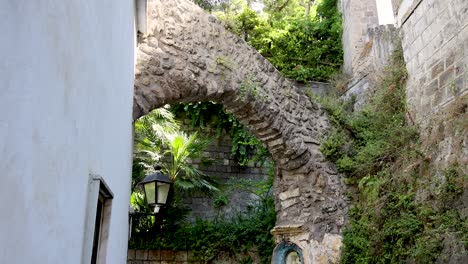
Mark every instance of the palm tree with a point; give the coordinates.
(181, 150)
(159, 141)
(148, 143)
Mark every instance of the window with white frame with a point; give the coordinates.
(99, 205)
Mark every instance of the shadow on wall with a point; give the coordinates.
(287, 253)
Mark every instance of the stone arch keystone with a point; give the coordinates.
(188, 55)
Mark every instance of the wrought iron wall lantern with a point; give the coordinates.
(156, 187)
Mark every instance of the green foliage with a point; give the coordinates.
(247, 21)
(365, 141)
(332, 146)
(245, 147)
(245, 231)
(379, 153)
(305, 48)
(158, 141)
(145, 228)
(302, 46)
(260, 188)
(250, 88)
(207, 238)
(179, 150)
(220, 200)
(225, 61)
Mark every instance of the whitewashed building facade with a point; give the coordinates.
(66, 95)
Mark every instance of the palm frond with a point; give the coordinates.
(159, 141)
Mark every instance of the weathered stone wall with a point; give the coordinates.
(318, 88)
(183, 257)
(374, 55)
(225, 169)
(188, 55)
(435, 43)
(358, 17)
(434, 35)
(367, 47)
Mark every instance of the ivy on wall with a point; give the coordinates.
(245, 147)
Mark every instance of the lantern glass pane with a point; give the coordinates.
(163, 192)
(150, 192)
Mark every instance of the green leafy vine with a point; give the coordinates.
(245, 147)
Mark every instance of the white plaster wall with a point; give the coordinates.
(66, 89)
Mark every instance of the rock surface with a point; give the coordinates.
(189, 56)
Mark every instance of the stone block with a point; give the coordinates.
(409, 65)
(460, 67)
(424, 108)
(431, 14)
(438, 98)
(255, 170)
(288, 203)
(167, 255)
(141, 254)
(437, 69)
(420, 26)
(460, 10)
(435, 59)
(181, 256)
(190, 256)
(221, 168)
(437, 25)
(450, 30)
(436, 42)
(418, 15)
(154, 255)
(450, 59)
(447, 77)
(289, 194)
(427, 35)
(405, 40)
(431, 88)
(131, 254)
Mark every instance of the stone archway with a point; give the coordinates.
(189, 56)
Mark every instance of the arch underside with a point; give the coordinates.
(189, 56)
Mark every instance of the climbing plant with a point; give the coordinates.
(245, 147)
(379, 151)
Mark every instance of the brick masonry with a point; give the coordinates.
(183, 257)
(435, 44)
(226, 170)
